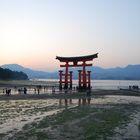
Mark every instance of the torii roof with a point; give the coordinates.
(77, 58)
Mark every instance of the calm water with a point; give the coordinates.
(104, 84)
(96, 84)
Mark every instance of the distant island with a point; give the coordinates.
(130, 72)
(7, 74)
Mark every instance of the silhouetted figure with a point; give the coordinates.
(135, 87)
(25, 90)
(130, 87)
(19, 91)
(38, 91)
(3, 90)
(8, 92)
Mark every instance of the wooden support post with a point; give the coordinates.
(60, 79)
(70, 101)
(79, 78)
(79, 101)
(66, 102)
(84, 75)
(70, 79)
(66, 76)
(89, 79)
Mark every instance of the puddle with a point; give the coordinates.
(130, 131)
(115, 99)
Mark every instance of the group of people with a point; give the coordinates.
(7, 91)
(22, 90)
(37, 90)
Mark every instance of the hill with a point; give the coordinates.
(31, 73)
(130, 72)
(6, 74)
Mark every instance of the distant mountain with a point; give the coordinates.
(130, 72)
(31, 73)
(6, 74)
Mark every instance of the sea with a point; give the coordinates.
(104, 84)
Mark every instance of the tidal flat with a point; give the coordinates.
(73, 117)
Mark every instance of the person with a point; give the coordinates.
(3, 90)
(25, 90)
(19, 91)
(8, 92)
(38, 91)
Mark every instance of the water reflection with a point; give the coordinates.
(79, 102)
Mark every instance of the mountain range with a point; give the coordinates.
(130, 72)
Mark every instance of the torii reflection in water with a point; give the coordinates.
(79, 102)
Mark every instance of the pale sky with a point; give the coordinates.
(33, 32)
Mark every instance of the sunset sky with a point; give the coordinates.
(33, 32)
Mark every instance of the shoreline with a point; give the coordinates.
(75, 95)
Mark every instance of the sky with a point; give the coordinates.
(34, 32)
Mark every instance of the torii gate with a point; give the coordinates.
(84, 76)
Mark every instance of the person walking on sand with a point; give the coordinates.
(3, 91)
(9, 92)
(25, 90)
(6, 91)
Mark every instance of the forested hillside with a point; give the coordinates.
(6, 74)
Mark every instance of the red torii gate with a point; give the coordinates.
(84, 76)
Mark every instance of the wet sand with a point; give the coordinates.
(105, 114)
(15, 115)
